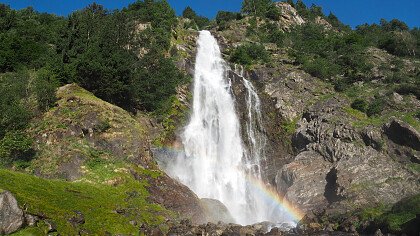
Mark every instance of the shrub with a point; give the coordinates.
(321, 68)
(375, 107)
(15, 146)
(273, 13)
(359, 104)
(408, 89)
(249, 54)
(45, 85)
(225, 16)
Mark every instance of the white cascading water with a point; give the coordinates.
(216, 163)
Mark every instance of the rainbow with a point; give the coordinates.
(270, 194)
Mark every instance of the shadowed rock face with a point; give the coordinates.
(403, 134)
(11, 216)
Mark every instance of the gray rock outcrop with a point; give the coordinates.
(216, 211)
(11, 216)
(339, 167)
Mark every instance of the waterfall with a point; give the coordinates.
(215, 163)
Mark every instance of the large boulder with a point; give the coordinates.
(216, 211)
(403, 134)
(11, 216)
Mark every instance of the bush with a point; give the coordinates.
(226, 16)
(359, 104)
(321, 68)
(200, 21)
(273, 13)
(15, 146)
(375, 107)
(14, 115)
(249, 54)
(46, 84)
(408, 89)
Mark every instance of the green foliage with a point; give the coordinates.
(103, 126)
(359, 104)
(158, 12)
(155, 81)
(273, 13)
(413, 89)
(393, 219)
(256, 7)
(27, 38)
(249, 54)
(223, 17)
(97, 57)
(14, 114)
(15, 146)
(226, 16)
(200, 21)
(394, 36)
(328, 55)
(46, 84)
(375, 107)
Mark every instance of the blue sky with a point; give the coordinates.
(351, 12)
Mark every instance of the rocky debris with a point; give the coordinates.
(216, 211)
(337, 168)
(321, 21)
(11, 216)
(372, 137)
(402, 134)
(78, 219)
(31, 220)
(185, 227)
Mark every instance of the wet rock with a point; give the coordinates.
(403, 134)
(216, 211)
(11, 216)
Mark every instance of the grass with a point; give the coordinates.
(414, 166)
(362, 120)
(392, 219)
(401, 213)
(93, 196)
(373, 212)
(289, 127)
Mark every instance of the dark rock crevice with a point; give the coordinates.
(331, 188)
